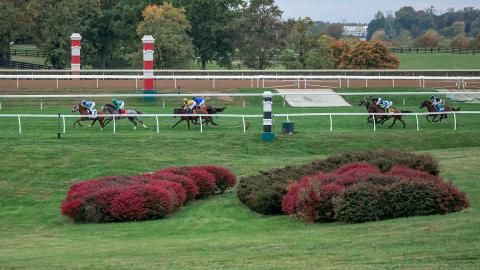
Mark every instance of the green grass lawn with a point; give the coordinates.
(220, 232)
(438, 61)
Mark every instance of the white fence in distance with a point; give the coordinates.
(62, 117)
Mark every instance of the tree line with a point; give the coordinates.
(190, 32)
(424, 28)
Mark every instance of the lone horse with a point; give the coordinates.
(88, 117)
(192, 118)
(428, 104)
(373, 108)
(110, 109)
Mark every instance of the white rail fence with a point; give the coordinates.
(62, 118)
(259, 81)
(43, 98)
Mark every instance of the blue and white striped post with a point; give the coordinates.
(267, 135)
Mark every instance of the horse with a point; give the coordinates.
(110, 109)
(84, 111)
(373, 108)
(192, 118)
(210, 110)
(428, 104)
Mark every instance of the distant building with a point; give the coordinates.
(359, 31)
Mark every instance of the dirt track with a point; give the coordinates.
(225, 84)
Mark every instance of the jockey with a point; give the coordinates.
(200, 101)
(119, 105)
(384, 104)
(189, 105)
(437, 103)
(90, 106)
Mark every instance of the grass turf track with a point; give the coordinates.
(37, 170)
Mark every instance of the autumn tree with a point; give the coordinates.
(169, 26)
(369, 55)
(335, 30)
(379, 35)
(14, 21)
(428, 40)
(260, 33)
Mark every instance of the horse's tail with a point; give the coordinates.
(220, 109)
(406, 111)
(457, 109)
(138, 112)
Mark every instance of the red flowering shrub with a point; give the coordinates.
(141, 202)
(359, 192)
(311, 200)
(205, 182)
(224, 178)
(191, 189)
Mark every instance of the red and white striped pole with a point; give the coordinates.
(75, 40)
(148, 49)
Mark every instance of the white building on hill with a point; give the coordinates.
(359, 31)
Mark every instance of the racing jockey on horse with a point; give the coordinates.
(200, 102)
(119, 106)
(384, 104)
(437, 103)
(189, 105)
(90, 106)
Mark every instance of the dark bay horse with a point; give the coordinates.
(88, 117)
(428, 104)
(110, 109)
(380, 119)
(192, 117)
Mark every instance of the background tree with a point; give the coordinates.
(211, 30)
(169, 26)
(379, 22)
(335, 30)
(14, 20)
(320, 54)
(370, 55)
(379, 35)
(302, 39)
(260, 33)
(428, 40)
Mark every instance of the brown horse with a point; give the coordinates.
(428, 104)
(380, 119)
(88, 117)
(192, 118)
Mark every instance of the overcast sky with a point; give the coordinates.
(360, 10)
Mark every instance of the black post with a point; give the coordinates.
(58, 128)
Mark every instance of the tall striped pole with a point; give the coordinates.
(75, 39)
(267, 135)
(148, 78)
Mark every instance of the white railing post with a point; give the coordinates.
(418, 125)
(331, 122)
(136, 83)
(455, 121)
(19, 125)
(163, 103)
(393, 83)
(348, 83)
(57, 83)
(244, 103)
(374, 122)
(201, 125)
(298, 83)
(244, 125)
(97, 83)
(213, 83)
(41, 104)
(304, 83)
(158, 127)
(63, 120)
(404, 102)
(114, 125)
(339, 82)
(0, 104)
(18, 84)
(284, 102)
(366, 82)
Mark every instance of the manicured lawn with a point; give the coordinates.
(220, 232)
(438, 61)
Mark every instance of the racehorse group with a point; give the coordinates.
(396, 113)
(104, 117)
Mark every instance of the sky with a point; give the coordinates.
(361, 11)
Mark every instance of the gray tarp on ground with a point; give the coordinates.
(459, 97)
(313, 101)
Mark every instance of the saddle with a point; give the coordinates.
(122, 111)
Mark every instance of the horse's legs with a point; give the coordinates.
(426, 117)
(179, 121)
(401, 120)
(394, 121)
(141, 122)
(213, 123)
(133, 120)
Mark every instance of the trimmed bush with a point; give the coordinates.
(360, 203)
(204, 180)
(191, 189)
(224, 178)
(263, 193)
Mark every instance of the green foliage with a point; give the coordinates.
(260, 31)
(169, 26)
(15, 20)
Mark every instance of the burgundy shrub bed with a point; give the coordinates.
(143, 197)
(360, 192)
